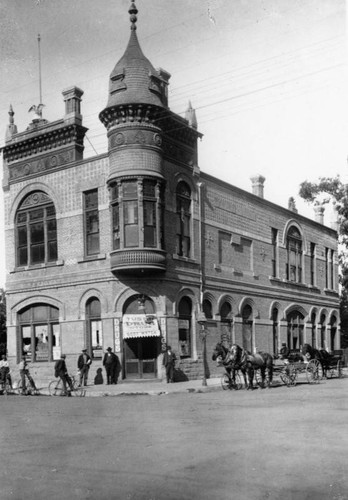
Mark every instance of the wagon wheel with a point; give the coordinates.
(339, 369)
(314, 371)
(289, 375)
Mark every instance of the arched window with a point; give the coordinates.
(295, 330)
(36, 230)
(39, 336)
(207, 309)
(183, 220)
(247, 328)
(185, 313)
(275, 328)
(94, 340)
(294, 255)
(226, 323)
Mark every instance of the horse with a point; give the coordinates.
(321, 355)
(261, 361)
(231, 366)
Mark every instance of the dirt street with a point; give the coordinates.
(282, 443)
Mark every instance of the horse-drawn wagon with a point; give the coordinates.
(314, 364)
(296, 364)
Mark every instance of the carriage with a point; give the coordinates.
(314, 369)
(316, 365)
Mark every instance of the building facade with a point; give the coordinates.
(125, 249)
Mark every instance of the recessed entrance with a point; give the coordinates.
(140, 357)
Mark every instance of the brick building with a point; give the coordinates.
(126, 248)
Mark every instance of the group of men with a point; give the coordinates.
(111, 364)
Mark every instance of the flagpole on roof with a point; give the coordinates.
(38, 41)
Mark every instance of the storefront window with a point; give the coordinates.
(39, 332)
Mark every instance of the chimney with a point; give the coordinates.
(257, 184)
(72, 98)
(319, 210)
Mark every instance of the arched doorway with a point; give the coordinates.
(322, 331)
(185, 318)
(313, 330)
(333, 331)
(247, 328)
(295, 330)
(141, 338)
(226, 323)
(275, 328)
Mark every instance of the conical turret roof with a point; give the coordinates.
(134, 79)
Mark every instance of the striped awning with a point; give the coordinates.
(139, 325)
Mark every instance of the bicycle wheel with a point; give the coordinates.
(19, 387)
(77, 391)
(55, 388)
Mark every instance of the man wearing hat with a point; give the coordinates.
(83, 363)
(110, 362)
(284, 351)
(169, 359)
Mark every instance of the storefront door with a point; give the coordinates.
(140, 356)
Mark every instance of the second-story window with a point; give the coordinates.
(136, 213)
(274, 252)
(150, 214)
(91, 221)
(36, 230)
(312, 270)
(183, 217)
(294, 255)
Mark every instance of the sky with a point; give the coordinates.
(268, 79)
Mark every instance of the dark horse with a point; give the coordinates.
(321, 355)
(262, 361)
(231, 366)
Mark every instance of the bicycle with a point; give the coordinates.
(30, 389)
(56, 388)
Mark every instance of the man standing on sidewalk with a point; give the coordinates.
(169, 359)
(110, 363)
(83, 363)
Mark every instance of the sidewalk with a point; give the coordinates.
(148, 387)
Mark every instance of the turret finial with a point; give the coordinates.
(133, 11)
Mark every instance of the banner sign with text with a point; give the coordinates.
(139, 325)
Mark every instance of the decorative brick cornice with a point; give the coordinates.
(172, 125)
(27, 145)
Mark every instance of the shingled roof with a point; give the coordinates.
(134, 79)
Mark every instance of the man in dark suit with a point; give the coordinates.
(83, 363)
(111, 363)
(60, 370)
(169, 359)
